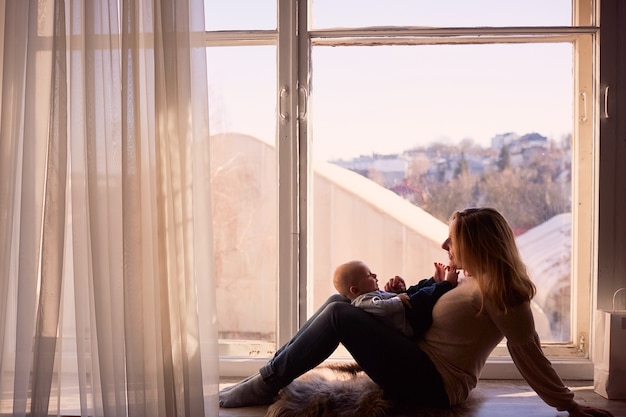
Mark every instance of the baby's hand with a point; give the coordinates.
(405, 299)
(395, 284)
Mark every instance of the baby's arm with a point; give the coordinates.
(404, 297)
(380, 304)
(442, 273)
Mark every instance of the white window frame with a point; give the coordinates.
(294, 72)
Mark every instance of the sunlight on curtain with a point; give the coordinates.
(106, 258)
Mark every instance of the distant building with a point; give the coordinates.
(527, 148)
(387, 170)
(503, 139)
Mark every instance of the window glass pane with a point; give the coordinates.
(441, 13)
(243, 168)
(416, 132)
(240, 14)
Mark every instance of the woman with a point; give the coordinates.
(441, 369)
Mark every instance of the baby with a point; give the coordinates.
(410, 311)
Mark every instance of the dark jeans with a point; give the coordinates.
(392, 360)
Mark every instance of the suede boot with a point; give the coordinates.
(249, 392)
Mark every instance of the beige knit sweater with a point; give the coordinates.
(459, 343)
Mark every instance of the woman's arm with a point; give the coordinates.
(523, 343)
(517, 325)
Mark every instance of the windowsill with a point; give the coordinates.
(570, 369)
(495, 368)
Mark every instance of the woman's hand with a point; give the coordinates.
(395, 284)
(584, 411)
(452, 276)
(440, 271)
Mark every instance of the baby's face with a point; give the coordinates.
(367, 281)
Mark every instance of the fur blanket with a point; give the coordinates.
(344, 390)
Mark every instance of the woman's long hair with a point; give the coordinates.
(484, 245)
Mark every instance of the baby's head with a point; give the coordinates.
(353, 279)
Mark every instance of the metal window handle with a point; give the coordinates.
(304, 98)
(284, 94)
(606, 102)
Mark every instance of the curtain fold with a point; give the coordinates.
(105, 213)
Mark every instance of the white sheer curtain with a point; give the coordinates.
(106, 279)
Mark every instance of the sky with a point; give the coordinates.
(366, 100)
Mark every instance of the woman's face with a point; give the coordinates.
(448, 245)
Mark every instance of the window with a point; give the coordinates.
(243, 175)
(242, 102)
(404, 114)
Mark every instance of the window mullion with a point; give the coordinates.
(288, 165)
(305, 158)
